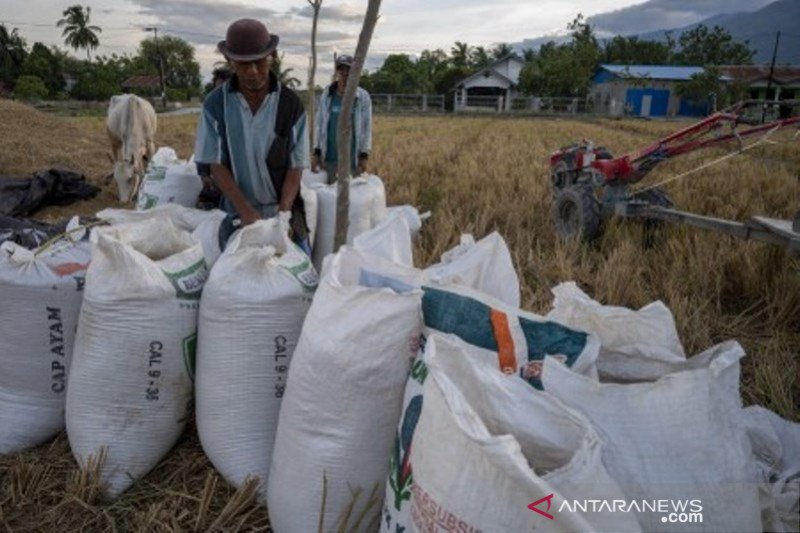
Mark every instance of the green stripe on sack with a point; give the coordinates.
(465, 317)
(549, 338)
(470, 320)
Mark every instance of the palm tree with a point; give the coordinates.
(77, 31)
(12, 48)
(501, 50)
(460, 53)
(284, 75)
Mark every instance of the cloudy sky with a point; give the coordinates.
(406, 26)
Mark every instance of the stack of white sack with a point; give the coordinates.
(130, 387)
(169, 179)
(367, 210)
(511, 342)
(344, 396)
(683, 433)
(310, 178)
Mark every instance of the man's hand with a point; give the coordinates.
(362, 165)
(248, 214)
(315, 163)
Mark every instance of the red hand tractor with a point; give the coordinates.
(591, 185)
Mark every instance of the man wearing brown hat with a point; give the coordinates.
(252, 133)
(326, 148)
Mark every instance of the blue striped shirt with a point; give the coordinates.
(248, 137)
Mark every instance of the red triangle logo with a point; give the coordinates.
(547, 499)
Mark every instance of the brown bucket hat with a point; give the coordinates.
(247, 40)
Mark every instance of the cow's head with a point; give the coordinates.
(129, 174)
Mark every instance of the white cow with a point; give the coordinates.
(131, 126)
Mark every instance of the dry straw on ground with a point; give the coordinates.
(476, 175)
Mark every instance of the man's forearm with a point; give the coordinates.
(227, 184)
(291, 188)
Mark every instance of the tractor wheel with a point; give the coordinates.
(577, 213)
(560, 176)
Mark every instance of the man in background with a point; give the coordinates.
(326, 150)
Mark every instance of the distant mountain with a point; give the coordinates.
(754, 20)
(759, 27)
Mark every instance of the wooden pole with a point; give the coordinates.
(344, 129)
(312, 71)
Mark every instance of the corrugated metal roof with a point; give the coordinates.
(653, 72)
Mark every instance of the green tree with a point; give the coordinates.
(563, 69)
(479, 57)
(30, 88)
(701, 46)
(585, 55)
(95, 82)
(13, 51)
(432, 67)
(43, 63)
(398, 74)
(460, 54)
(708, 86)
(181, 70)
(77, 31)
(623, 50)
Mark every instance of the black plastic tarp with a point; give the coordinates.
(20, 197)
(28, 233)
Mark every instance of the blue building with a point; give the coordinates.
(644, 91)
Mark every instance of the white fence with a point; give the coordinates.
(520, 104)
(416, 103)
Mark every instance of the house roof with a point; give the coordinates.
(141, 82)
(753, 73)
(653, 72)
(490, 68)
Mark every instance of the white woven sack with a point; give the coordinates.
(411, 215)
(677, 439)
(508, 341)
(391, 240)
(251, 312)
(487, 447)
(776, 451)
(309, 196)
(310, 178)
(638, 345)
(484, 265)
(343, 398)
(130, 385)
(169, 180)
(378, 210)
(41, 300)
(203, 225)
